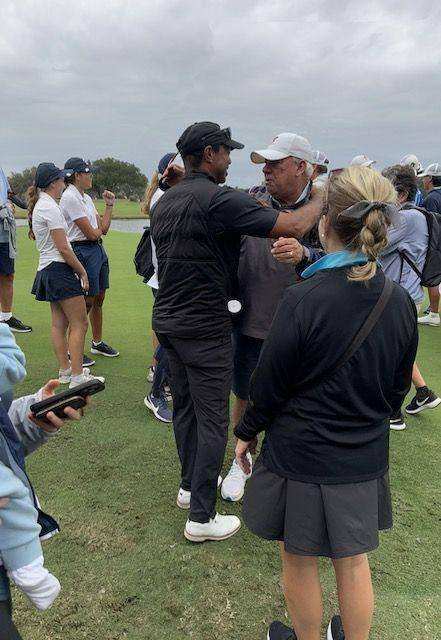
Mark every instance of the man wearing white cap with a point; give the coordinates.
(432, 202)
(362, 161)
(288, 168)
(410, 160)
(432, 184)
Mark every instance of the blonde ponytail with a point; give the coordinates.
(368, 234)
(150, 191)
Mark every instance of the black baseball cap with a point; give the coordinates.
(47, 173)
(201, 134)
(78, 165)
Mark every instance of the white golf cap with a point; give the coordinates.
(433, 170)
(362, 161)
(410, 160)
(285, 145)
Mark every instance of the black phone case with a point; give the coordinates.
(77, 402)
(83, 390)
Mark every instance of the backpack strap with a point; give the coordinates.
(359, 338)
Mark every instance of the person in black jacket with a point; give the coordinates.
(196, 227)
(320, 486)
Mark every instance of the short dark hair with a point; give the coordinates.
(436, 181)
(194, 160)
(404, 180)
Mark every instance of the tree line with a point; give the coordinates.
(123, 178)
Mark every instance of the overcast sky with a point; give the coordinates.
(102, 78)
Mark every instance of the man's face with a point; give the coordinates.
(84, 180)
(220, 161)
(282, 176)
(427, 183)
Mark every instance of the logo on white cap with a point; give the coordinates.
(433, 170)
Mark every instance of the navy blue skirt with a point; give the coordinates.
(56, 282)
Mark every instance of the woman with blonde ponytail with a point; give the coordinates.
(336, 364)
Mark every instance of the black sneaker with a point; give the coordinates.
(87, 362)
(335, 629)
(104, 349)
(17, 325)
(279, 631)
(423, 399)
(396, 422)
(159, 408)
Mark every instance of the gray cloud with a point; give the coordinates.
(124, 79)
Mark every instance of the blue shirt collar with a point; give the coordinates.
(334, 260)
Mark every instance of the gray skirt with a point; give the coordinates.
(329, 520)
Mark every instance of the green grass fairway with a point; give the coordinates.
(126, 569)
(123, 209)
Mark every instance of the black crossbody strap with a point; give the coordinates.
(361, 335)
(411, 264)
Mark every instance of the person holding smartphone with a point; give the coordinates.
(61, 279)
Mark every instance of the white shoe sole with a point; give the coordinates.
(430, 405)
(96, 352)
(329, 633)
(231, 498)
(397, 427)
(193, 538)
(154, 410)
(21, 330)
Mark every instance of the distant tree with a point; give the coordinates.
(123, 178)
(20, 182)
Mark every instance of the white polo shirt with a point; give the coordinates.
(46, 217)
(75, 206)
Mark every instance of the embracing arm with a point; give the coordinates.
(296, 224)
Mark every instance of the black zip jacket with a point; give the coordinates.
(338, 430)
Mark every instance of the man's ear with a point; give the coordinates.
(208, 154)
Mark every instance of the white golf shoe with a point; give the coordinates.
(233, 486)
(218, 528)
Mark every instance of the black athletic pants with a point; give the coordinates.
(8, 630)
(200, 381)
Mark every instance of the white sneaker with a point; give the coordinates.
(86, 376)
(64, 376)
(431, 319)
(184, 497)
(233, 486)
(218, 528)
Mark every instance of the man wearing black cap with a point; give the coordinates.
(196, 227)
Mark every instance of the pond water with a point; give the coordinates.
(129, 226)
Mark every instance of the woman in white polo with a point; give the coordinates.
(85, 231)
(61, 279)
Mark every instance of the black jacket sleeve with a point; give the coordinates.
(403, 375)
(21, 204)
(276, 372)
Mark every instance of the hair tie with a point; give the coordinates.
(362, 208)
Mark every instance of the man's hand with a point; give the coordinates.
(288, 250)
(174, 173)
(242, 448)
(53, 423)
(109, 198)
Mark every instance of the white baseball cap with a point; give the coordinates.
(285, 145)
(362, 161)
(410, 160)
(433, 170)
